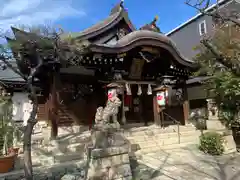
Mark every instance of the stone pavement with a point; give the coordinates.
(187, 163)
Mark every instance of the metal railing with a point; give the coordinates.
(175, 122)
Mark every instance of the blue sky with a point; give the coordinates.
(76, 15)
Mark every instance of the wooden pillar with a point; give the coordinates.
(53, 111)
(186, 108)
(156, 114)
(123, 109)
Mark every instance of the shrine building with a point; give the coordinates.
(142, 67)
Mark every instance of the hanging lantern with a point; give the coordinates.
(162, 98)
(162, 95)
(149, 91)
(112, 93)
(128, 89)
(139, 90)
(113, 90)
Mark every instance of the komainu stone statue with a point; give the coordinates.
(103, 128)
(103, 114)
(107, 156)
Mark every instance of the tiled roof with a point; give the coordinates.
(9, 75)
(117, 13)
(95, 27)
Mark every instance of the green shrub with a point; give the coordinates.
(211, 143)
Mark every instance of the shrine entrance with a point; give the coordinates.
(138, 107)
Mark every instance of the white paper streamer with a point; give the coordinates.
(128, 89)
(149, 91)
(139, 90)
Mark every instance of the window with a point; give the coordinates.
(202, 28)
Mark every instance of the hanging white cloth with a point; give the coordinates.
(128, 89)
(22, 107)
(18, 100)
(139, 90)
(149, 91)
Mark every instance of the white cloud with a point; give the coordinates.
(35, 12)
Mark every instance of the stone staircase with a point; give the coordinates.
(65, 118)
(65, 149)
(152, 138)
(69, 147)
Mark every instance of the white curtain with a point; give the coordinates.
(22, 107)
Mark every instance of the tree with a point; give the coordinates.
(38, 53)
(219, 57)
(221, 20)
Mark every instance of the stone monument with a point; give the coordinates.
(107, 155)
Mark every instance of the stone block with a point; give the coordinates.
(99, 139)
(111, 151)
(102, 163)
(67, 157)
(111, 173)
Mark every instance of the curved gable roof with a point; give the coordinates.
(143, 38)
(117, 14)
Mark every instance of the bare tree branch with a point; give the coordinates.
(198, 5)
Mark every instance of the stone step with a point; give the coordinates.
(154, 146)
(171, 143)
(163, 135)
(48, 170)
(39, 159)
(48, 158)
(61, 158)
(152, 143)
(141, 154)
(77, 145)
(152, 131)
(19, 163)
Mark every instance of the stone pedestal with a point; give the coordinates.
(109, 159)
(110, 163)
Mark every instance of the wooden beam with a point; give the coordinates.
(130, 82)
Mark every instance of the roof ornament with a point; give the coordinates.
(118, 7)
(152, 26)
